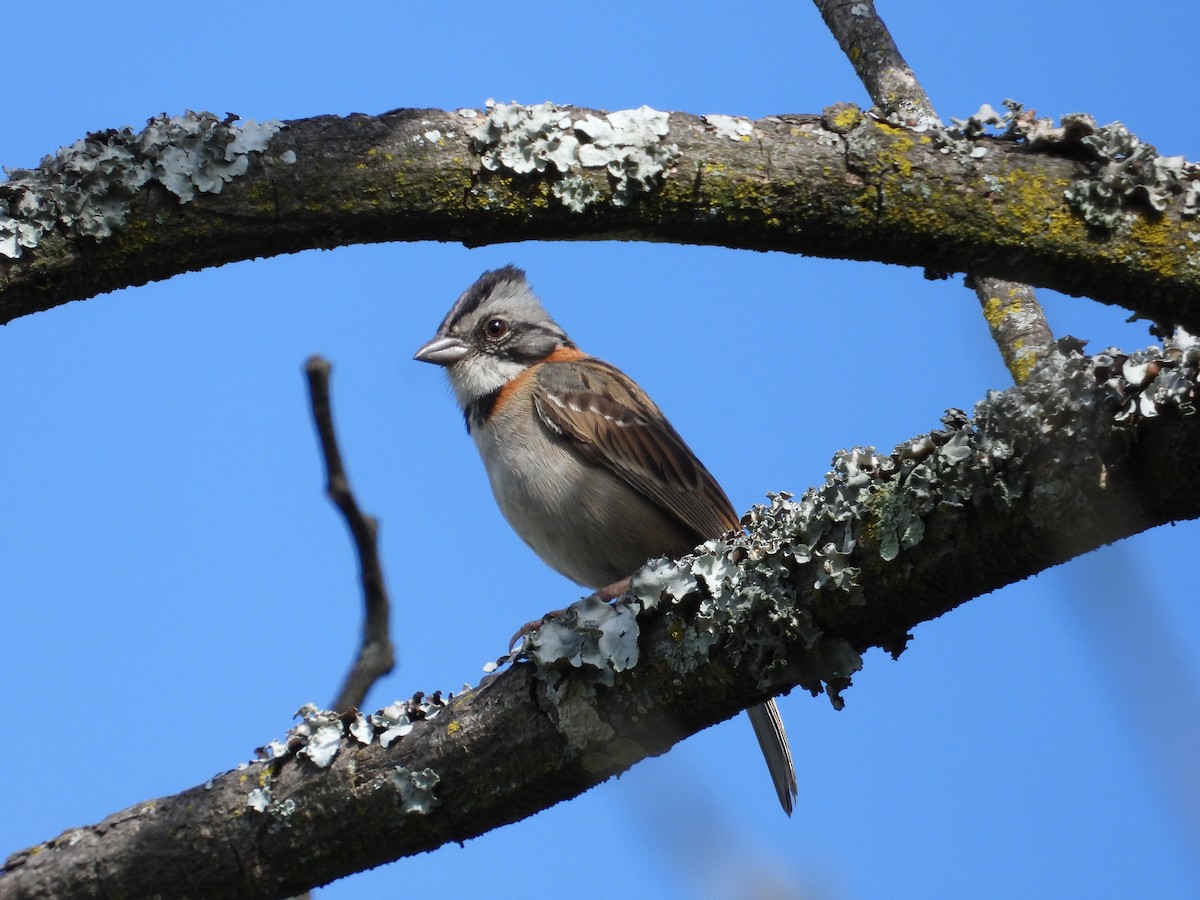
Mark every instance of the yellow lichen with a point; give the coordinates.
(1021, 363)
(996, 311)
(993, 311)
(1159, 241)
(847, 117)
(893, 155)
(889, 128)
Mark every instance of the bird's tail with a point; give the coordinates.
(768, 728)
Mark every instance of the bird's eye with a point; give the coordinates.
(495, 328)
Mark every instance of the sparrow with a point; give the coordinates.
(584, 466)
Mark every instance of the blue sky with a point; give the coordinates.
(173, 583)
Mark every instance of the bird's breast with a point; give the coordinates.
(581, 519)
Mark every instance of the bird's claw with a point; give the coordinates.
(608, 593)
(533, 626)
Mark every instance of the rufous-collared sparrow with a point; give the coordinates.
(587, 470)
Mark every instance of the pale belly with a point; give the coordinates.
(583, 521)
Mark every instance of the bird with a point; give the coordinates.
(584, 466)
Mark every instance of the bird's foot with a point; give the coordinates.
(614, 590)
(529, 627)
(608, 593)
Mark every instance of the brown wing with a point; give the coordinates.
(614, 424)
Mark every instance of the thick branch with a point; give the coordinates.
(1088, 451)
(842, 186)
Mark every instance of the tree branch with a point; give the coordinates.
(841, 185)
(376, 656)
(1089, 450)
(1014, 316)
(877, 61)
(1017, 323)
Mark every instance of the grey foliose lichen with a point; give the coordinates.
(1128, 173)
(1036, 444)
(85, 190)
(592, 633)
(1124, 173)
(321, 733)
(414, 790)
(599, 638)
(1153, 382)
(1019, 125)
(545, 139)
(733, 128)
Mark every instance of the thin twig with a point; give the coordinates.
(877, 61)
(376, 656)
(1013, 313)
(1017, 322)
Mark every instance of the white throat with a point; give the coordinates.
(478, 375)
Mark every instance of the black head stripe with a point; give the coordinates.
(480, 291)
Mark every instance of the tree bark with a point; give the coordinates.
(839, 185)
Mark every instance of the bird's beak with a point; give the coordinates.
(442, 350)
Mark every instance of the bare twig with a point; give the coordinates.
(1017, 322)
(1013, 314)
(877, 61)
(376, 656)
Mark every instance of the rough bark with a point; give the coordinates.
(838, 185)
